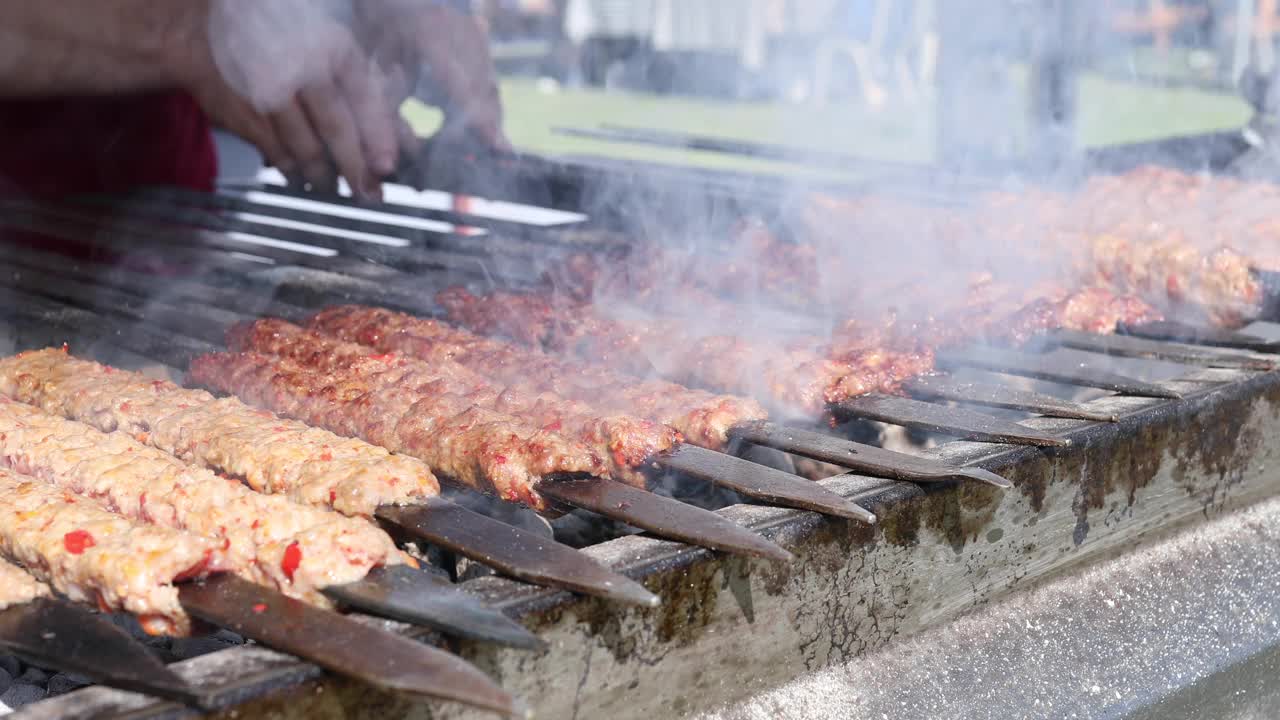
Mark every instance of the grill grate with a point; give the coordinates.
(104, 307)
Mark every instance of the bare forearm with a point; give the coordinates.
(97, 46)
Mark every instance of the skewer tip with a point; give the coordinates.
(853, 511)
(988, 477)
(772, 551)
(630, 592)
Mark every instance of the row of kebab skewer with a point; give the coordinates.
(265, 509)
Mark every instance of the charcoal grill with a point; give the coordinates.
(1190, 444)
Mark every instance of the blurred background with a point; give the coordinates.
(910, 81)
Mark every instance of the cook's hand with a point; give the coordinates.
(413, 38)
(309, 94)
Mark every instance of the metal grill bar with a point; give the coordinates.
(869, 459)
(1200, 335)
(1126, 346)
(759, 482)
(942, 387)
(942, 419)
(1044, 367)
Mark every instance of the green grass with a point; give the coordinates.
(1111, 112)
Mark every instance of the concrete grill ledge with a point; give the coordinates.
(731, 629)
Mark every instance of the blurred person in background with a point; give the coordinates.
(105, 95)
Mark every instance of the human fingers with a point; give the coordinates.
(226, 109)
(303, 147)
(374, 112)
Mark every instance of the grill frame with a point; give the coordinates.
(632, 662)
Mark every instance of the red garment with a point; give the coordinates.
(103, 144)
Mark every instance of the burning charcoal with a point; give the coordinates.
(63, 683)
(34, 676)
(228, 638)
(582, 528)
(20, 694)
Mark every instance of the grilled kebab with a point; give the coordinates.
(267, 539)
(624, 442)
(275, 455)
(481, 448)
(801, 376)
(700, 417)
(272, 454)
(92, 555)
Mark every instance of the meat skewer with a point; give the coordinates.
(405, 424)
(800, 379)
(309, 465)
(624, 442)
(808, 379)
(701, 418)
(630, 443)
(92, 555)
(297, 549)
(477, 447)
(62, 635)
(718, 417)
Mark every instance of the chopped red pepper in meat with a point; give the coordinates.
(77, 541)
(292, 559)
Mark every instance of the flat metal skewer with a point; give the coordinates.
(661, 516)
(1200, 335)
(1127, 346)
(760, 482)
(944, 387)
(424, 598)
(942, 419)
(59, 634)
(868, 459)
(511, 551)
(341, 644)
(1042, 367)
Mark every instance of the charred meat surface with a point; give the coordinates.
(272, 454)
(624, 442)
(266, 539)
(798, 376)
(702, 418)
